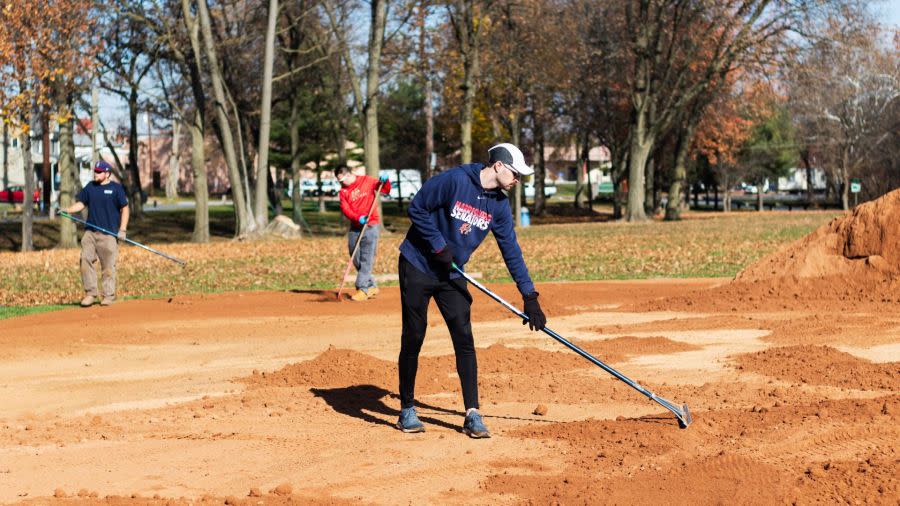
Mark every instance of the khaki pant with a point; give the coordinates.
(99, 246)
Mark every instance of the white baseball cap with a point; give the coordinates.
(511, 156)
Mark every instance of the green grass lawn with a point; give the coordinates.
(12, 312)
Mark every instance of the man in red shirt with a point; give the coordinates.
(356, 196)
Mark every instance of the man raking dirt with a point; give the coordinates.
(359, 198)
(451, 215)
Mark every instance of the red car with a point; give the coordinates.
(16, 195)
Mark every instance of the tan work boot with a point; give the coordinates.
(88, 301)
(107, 301)
(372, 291)
(359, 296)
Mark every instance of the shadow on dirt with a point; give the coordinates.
(321, 295)
(365, 402)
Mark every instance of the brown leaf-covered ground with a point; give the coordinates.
(706, 245)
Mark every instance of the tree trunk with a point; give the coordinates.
(649, 185)
(319, 186)
(845, 179)
(373, 76)
(201, 191)
(425, 75)
(28, 194)
(467, 29)
(265, 121)
(518, 191)
(136, 201)
(244, 223)
(804, 155)
(539, 172)
(95, 124)
(637, 161)
(5, 155)
(617, 174)
(679, 177)
(67, 171)
(174, 162)
(583, 164)
(297, 193)
(759, 195)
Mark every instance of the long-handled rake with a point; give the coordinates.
(683, 414)
(358, 241)
(101, 229)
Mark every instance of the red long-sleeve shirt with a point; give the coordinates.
(356, 199)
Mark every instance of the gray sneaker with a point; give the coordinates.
(88, 301)
(107, 301)
(409, 422)
(474, 426)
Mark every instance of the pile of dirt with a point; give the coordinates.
(822, 365)
(852, 261)
(864, 244)
(505, 374)
(333, 368)
(853, 256)
(618, 348)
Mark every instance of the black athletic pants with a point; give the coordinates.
(454, 301)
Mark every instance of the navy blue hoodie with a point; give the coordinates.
(453, 209)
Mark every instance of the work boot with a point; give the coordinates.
(372, 291)
(474, 426)
(88, 301)
(360, 295)
(409, 422)
(108, 300)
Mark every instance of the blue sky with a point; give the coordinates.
(891, 12)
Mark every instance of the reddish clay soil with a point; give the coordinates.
(290, 398)
(821, 365)
(792, 372)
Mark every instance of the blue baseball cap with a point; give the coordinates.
(102, 166)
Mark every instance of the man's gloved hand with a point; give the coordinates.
(536, 319)
(444, 260)
(363, 219)
(121, 235)
(382, 179)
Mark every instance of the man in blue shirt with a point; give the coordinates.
(451, 215)
(107, 208)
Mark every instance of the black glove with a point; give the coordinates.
(536, 319)
(443, 260)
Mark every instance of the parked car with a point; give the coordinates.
(549, 190)
(310, 187)
(16, 195)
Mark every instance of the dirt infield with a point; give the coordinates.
(289, 397)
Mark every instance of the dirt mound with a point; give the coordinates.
(864, 243)
(822, 365)
(853, 255)
(618, 348)
(333, 368)
(505, 374)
